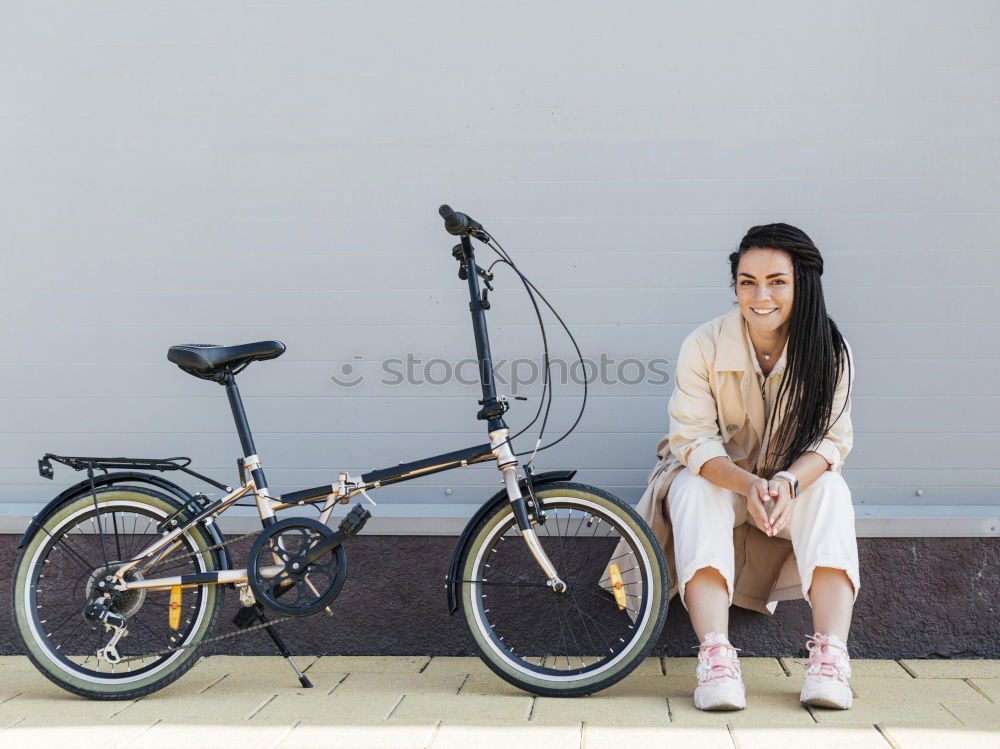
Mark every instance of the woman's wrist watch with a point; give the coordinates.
(793, 483)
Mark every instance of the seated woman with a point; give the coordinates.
(747, 498)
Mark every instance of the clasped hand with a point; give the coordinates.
(769, 504)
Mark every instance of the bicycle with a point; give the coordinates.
(118, 585)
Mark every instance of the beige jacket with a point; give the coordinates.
(718, 409)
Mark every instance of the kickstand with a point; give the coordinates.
(282, 648)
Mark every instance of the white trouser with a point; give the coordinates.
(821, 528)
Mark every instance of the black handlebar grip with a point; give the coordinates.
(455, 223)
(458, 223)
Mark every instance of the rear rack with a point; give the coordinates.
(90, 463)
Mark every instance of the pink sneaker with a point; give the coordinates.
(720, 683)
(827, 672)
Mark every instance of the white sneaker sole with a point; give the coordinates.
(726, 696)
(825, 693)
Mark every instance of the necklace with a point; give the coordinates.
(766, 356)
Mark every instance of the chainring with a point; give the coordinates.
(279, 576)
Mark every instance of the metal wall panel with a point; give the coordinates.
(178, 172)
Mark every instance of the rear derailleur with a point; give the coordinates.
(99, 613)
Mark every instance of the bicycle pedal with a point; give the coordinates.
(245, 617)
(354, 521)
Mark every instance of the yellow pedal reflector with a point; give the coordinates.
(617, 586)
(174, 616)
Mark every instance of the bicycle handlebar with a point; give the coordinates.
(458, 223)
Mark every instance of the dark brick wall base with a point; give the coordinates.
(920, 598)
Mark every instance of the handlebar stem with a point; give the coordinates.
(492, 407)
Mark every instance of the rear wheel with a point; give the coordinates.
(58, 578)
(586, 638)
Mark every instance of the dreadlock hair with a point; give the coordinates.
(816, 356)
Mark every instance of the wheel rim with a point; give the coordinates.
(55, 593)
(520, 619)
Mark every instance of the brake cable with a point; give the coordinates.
(546, 390)
(530, 288)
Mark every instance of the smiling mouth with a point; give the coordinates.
(764, 312)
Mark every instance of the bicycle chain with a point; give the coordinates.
(209, 641)
(217, 638)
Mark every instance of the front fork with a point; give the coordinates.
(507, 463)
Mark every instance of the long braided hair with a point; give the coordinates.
(817, 353)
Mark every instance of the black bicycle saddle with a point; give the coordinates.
(211, 362)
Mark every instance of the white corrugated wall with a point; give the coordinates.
(180, 172)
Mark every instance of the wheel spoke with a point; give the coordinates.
(575, 632)
(67, 566)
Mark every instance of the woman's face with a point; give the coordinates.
(765, 287)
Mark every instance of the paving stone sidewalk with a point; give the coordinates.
(401, 702)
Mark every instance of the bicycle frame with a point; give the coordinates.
(254, 481)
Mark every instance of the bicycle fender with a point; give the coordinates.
(121, 477)
(452, 583)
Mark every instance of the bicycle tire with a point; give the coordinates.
(28, 598)
(515, 582)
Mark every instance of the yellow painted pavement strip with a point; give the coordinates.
(417, 701)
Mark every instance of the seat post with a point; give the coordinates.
(242, 426)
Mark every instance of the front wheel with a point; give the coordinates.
(576, 642)
(58, 578)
